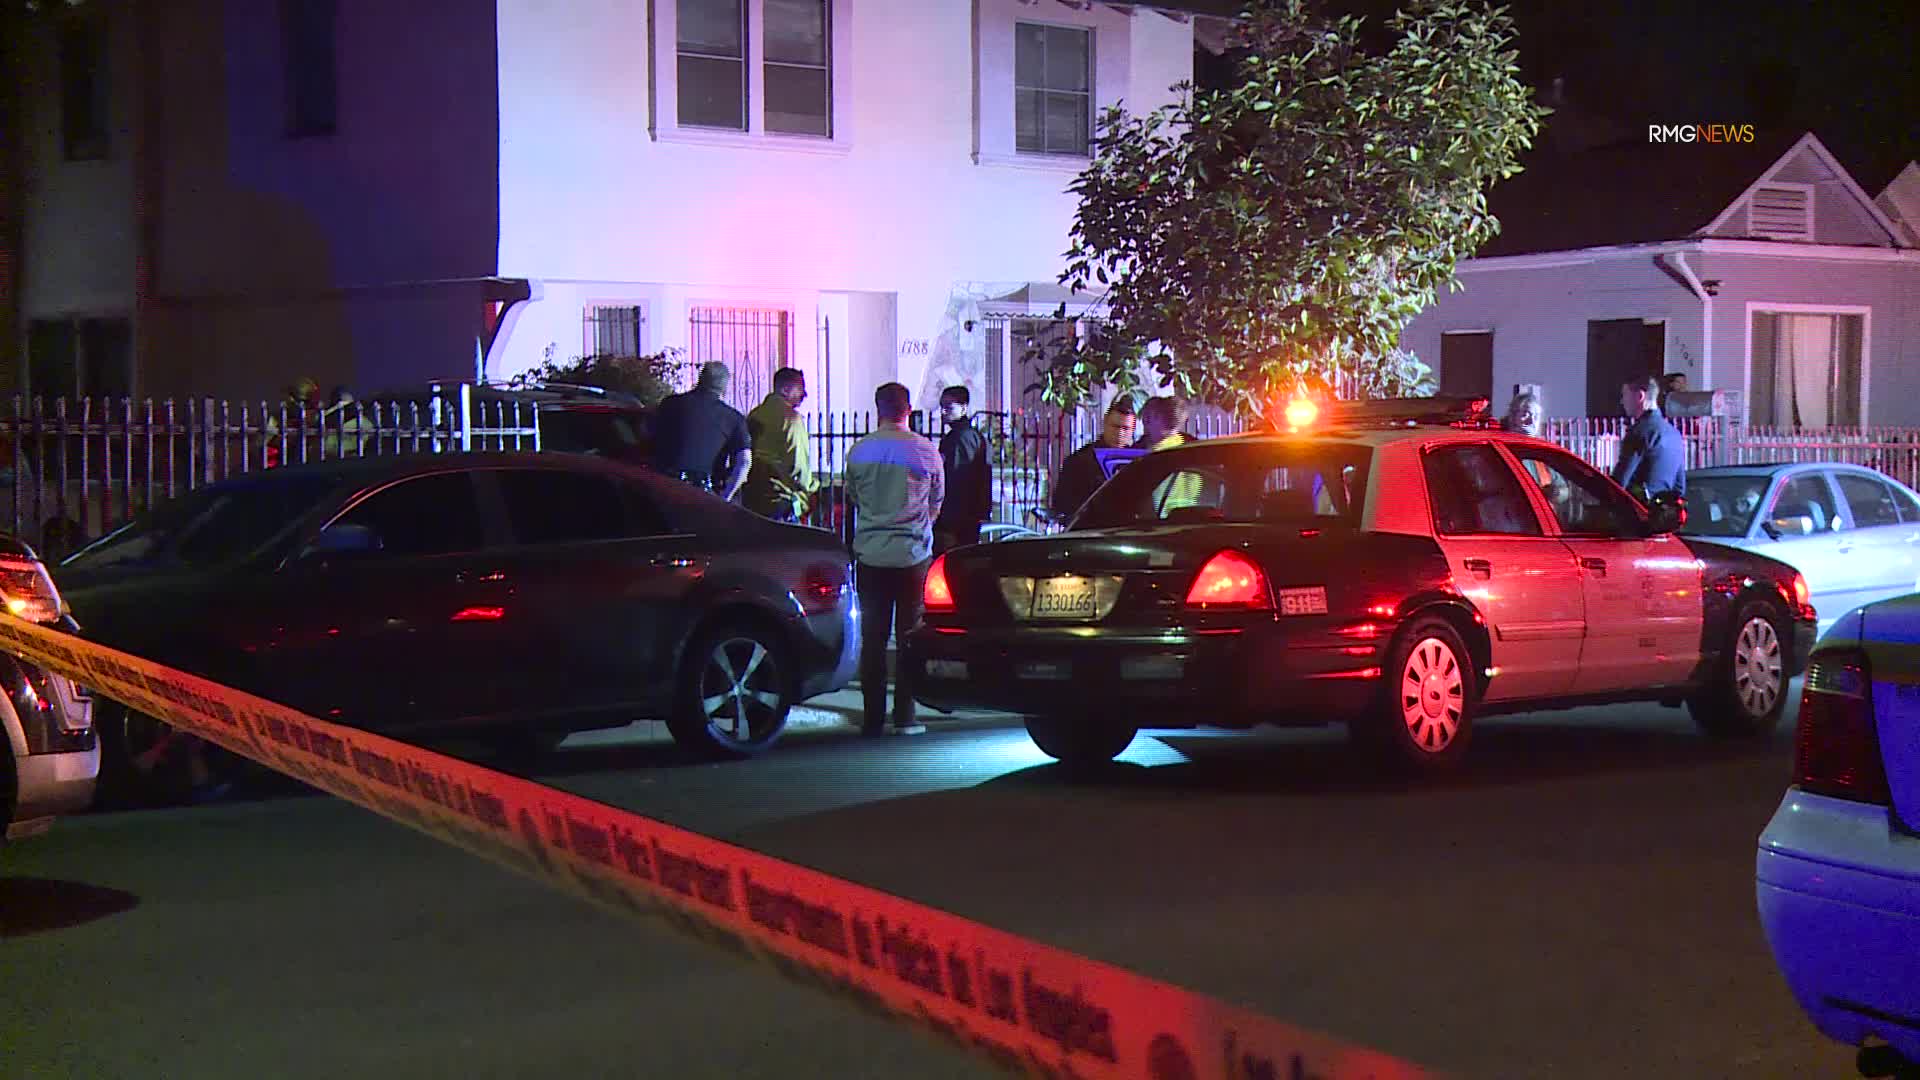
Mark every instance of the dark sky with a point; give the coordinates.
(1848, 70)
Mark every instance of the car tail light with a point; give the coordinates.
(1802, 597)
(27, 591)
(1836, 750)
(937, 596)
(1230, 580)
(821, 587)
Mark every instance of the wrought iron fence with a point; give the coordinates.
(1715, 440)
(72, 470)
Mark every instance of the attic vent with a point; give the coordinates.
(1781, 212)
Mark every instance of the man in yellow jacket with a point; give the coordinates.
(782, 481)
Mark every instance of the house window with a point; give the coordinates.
(1466, 363)
(308, 43)
(83, 90)
(799, 83)
(615, 331)
(1807, 370)
(1781, 212)
(712, 70)
(752, 342)
(80, 358)
(1052, 89)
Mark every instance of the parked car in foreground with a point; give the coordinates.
(46, 719)
(1838, 871)
(512, 597)
(1854, 532)
(1396, 571)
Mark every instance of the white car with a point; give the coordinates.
(46, 720)
(1852, 531)
(1838, 871)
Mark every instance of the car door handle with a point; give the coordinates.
(1481, 568)
(1598, 566)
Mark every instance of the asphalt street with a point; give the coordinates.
(1578, 903)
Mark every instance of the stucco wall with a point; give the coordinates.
(78, 220)
(899, 208)
(1539, 315)
(1889, 289)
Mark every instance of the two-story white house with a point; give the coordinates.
(222, 197)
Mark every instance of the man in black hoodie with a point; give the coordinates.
(1081, 474)
(969, 474)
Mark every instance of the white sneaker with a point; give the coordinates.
(914, 728)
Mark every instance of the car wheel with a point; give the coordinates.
(735, 691)
(1423, 717)
(1748, 690)
(1080, 741)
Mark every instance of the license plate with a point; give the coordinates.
(946, 669)
(1064, 598)
(1312, 601)
(1045, 669)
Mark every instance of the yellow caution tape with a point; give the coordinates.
(1025, 1006)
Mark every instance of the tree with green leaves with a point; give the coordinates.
(1275, 237)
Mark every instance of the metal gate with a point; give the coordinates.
(752, 342)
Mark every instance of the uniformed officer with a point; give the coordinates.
(699, 438)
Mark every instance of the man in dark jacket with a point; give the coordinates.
(1081, 474)
(1653, 455)
(969, 474)
(699, 438)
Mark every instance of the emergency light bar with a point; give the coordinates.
(1451, 410)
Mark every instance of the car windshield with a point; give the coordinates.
(208, 527)
(1723, 505)
(1275, 483)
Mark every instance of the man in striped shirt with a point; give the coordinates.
(896, 481)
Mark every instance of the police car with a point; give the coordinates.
(1403, 567)
(1838, 871)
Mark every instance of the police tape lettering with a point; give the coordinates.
(1025, 1006)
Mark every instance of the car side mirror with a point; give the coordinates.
(1667, 513)
(342, 541)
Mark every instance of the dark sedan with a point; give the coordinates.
(515, 597)
(1402, 580)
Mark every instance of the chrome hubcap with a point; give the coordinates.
(1432, 695)
(740, 689)
(1756, 667)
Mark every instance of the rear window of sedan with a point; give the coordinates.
(1304, 483)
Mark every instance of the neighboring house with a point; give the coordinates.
(1756, 268)
(225, 196)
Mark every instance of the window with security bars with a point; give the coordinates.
(712, 69)
(614, 331)
(752, 342)
(1052, 88)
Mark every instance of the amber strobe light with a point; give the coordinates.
(1301, 412)
(1229, 580)
(937, 596)
(1836, 749)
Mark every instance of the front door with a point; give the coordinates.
(1643, 594)
(599, 579)
(411, 634)
(1520, 579)
(1619, 350)
(1881, 544)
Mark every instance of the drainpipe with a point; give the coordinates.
(1676, 263)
